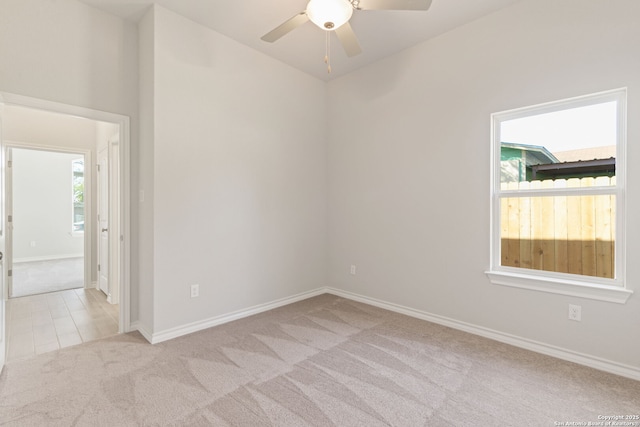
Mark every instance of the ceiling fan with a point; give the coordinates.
(334, 15)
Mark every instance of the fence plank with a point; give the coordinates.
(536, 225)
(547, 229)
(514, 228)
(574, 233)
(561, 234)
(587, 213)
(526, 249)
(504, 232)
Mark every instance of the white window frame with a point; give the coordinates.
(604, 289)
(73, 206)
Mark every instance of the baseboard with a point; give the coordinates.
(225, 318)
(46, 258)
(536, 346)
(137, 326)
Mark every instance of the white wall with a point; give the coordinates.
(409, 167)
(43, 128)
(42, 206)
(239, 175)
(104, 132)
(68, 52)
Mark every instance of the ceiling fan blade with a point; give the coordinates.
(394, 4)
(348, 39)
(286, 27)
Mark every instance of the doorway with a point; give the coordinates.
(50, 128)
(47, 199)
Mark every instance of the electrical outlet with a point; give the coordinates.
(195, 290)
(575, 312)
(353, 270)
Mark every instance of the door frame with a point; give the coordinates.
(124, 214)
(98, 219)
(8, 207)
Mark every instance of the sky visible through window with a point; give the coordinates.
(572, 129)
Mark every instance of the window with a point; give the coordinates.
(77, 220)
(558, 197)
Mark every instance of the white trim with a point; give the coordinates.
(57, 107)
(189, 328)
(46, 258)
(124, 294)
(536, 346)
(144, 331)
(554, 285)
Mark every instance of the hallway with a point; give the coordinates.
(41, 323)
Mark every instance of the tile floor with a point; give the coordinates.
(38, 324)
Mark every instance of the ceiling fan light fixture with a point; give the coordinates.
(329, 14)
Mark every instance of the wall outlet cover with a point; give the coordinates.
(195, 290)
(575, 312)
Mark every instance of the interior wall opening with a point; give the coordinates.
(46, 196)
(74, 288)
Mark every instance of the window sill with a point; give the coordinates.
(573, 288)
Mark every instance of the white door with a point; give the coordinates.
(7, 209)
(3, 291)
(114, 219)
(103, 220)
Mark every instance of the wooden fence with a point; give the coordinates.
(568, 234)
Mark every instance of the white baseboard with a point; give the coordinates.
(46, 258)
(225, 318)
(536, 346)
(137, 326)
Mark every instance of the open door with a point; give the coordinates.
(3, 294)
(103, 222)
(108, 218)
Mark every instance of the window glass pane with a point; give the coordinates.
(565, 234)
(77, 167)
(571, 143)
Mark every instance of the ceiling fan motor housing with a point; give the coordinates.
(329, 14)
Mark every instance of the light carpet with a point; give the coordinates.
(37, 277)
(324, 361)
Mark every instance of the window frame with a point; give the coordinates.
(73, 204)
(605, 289)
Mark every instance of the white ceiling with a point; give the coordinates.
(381, 33)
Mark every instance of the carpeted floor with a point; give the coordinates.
(325, 361)
(37, 277)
